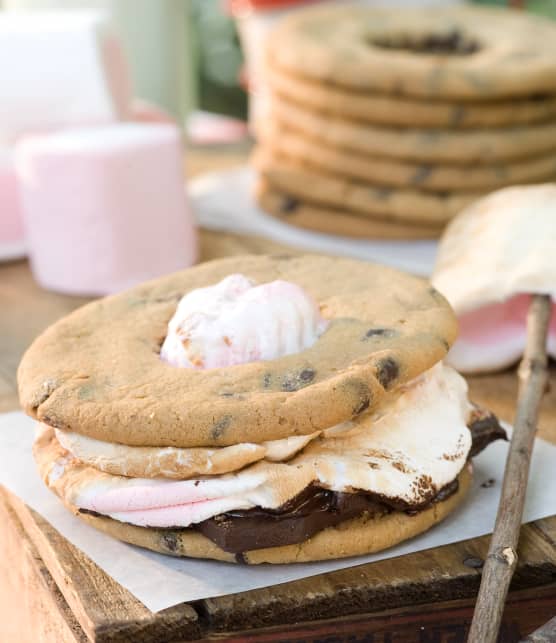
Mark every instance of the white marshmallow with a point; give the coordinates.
(495, 252)
(236, 321)
(176, 462)
(12, 244)
(58, 69)
(502, 245)
(105, 207)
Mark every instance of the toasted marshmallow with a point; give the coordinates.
(407, 452)
(493, 254)
(236, 321)
(174, 462)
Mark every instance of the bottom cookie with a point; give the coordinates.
(354, 537)
(335, 221)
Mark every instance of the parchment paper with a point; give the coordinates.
(222, 201)
(162, 581)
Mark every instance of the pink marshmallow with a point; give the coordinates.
(105, 207)
(236, 321)
(12, 243)
(181, 515)
(136, 494)
(493, 336)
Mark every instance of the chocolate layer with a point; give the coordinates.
(315, 508)
(311, 511)
(485, 428)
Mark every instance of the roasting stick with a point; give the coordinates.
(502, 557)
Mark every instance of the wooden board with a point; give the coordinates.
(31, 605)
(446, 622)
(108, 613)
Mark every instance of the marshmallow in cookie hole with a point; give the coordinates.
(237, 321)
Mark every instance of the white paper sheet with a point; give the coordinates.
(161, 581)
(222, 201)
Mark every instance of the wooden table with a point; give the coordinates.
(51, 592)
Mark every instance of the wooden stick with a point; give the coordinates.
(502, 557)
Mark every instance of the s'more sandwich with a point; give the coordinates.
(257, 409)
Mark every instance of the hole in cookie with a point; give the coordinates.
(450, 43)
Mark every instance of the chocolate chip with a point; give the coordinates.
(296, 381)
(170, 541)
(307, 375)
(267, 379)
(473, 562)
(380, 332)
(453, 42)
(358, 391)
(288, 204)
(240, 558)
(488, 483)
(387, 371)
(219, 427)
(226, 394)
(423, 172)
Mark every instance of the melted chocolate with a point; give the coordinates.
(485, 428)
(311, 511)
(315, 509)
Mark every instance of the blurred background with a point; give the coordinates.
(189, 55)
(97, 97)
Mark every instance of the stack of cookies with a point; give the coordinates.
(386, 123)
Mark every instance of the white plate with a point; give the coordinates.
(222, 201)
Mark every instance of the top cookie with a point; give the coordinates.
(98, 371)
(463, 52)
